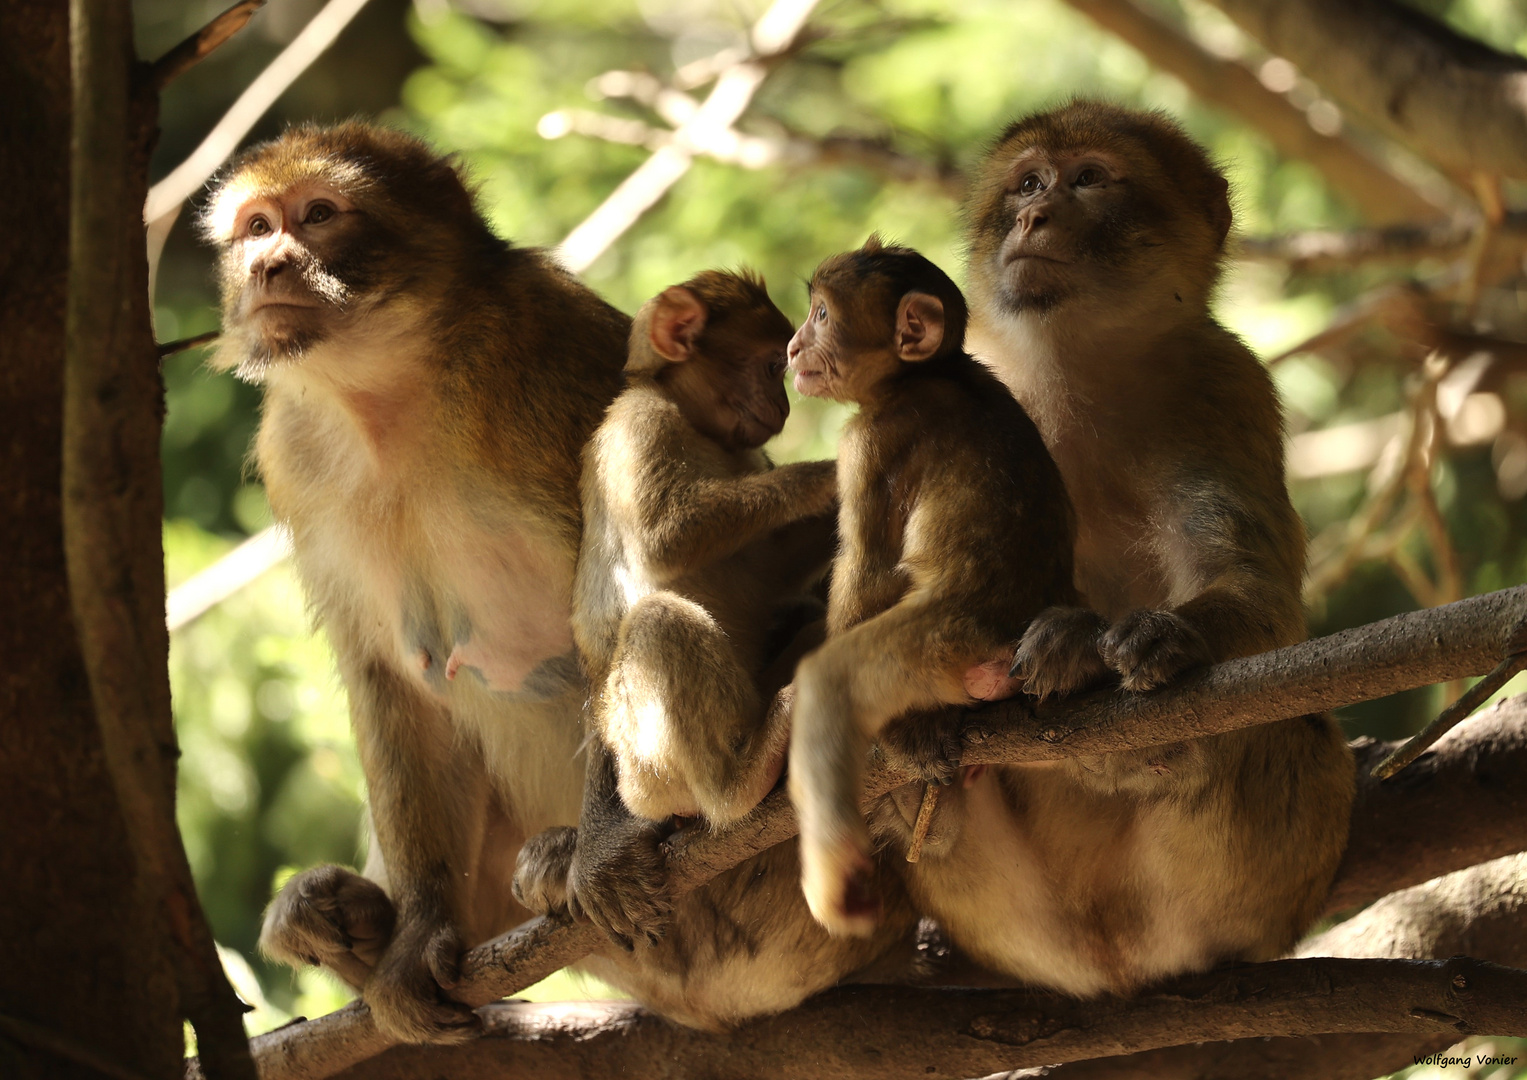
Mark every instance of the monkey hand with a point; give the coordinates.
(926, 744)
(1150, 648)
(1060, 652)
(329, 916)
(541, 869)
(406, 992)
(618, 879)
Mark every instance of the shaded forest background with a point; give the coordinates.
(269, 780)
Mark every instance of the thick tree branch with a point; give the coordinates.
(1462, 803)
(902, 1032)
(113, 508)
(1452, 100)
(1368, 186)
(1416, 649)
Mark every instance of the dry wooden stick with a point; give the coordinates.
(1451, 716)
(1401, 653)
(190, 52)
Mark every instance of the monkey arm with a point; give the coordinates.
(689, 523)
(1231, 550)
(424, 794)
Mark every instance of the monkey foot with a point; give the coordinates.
(330, 917)
(838, 880)
(1150, 648)
(1059, 653)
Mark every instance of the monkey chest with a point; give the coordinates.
(464, 608)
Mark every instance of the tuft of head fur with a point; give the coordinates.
(884, 273)
(736, 301)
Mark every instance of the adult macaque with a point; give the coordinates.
(694, 550)
(428, 389)
(955, 533)
(1096, 236)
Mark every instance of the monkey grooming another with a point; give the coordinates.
(955, 532)
(692, 546)
(428, 390)
(1096, 236)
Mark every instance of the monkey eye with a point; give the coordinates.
(1031, 185)
(1088, 177)
(821, 313)
(258, 226)
(777, 367)
(318, 213)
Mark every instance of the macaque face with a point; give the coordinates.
(726, 367)
(291, 270)
(841, 353)
(1097, 204)
(1063, 216)
(826, 358)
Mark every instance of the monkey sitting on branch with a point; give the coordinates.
(428, 388)
(1096, 236)
(696, 562)
(955, 532)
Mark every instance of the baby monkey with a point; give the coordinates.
(955, 532)
(696, 559)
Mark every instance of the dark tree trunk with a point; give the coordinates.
(103, 948)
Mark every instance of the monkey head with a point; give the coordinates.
(716, 344)
(874, 311)
(323, 226)
(1096, 205)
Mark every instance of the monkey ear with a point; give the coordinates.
(678, 317)
(919, 326)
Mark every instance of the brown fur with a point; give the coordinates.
(692, 545)
(1106, 873)
(426, 401)
(955, 532)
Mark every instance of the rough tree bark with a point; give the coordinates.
(1452, 100)
(104, 948)
(85, 988)
(114, 508)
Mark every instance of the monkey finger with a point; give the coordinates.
(443, 957)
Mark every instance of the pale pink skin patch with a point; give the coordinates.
(990, 681)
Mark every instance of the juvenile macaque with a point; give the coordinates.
(955, 533)
(695, 560)
(428, 389)
(1096, 236)
(692, 542)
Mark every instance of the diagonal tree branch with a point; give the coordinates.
(1452, 100)
(1401, 653)
(773, 35)
(1373, 190)
(196, 48)
(905, 1033)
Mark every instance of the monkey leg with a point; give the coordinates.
(684, 718)
(428, 794)
(331, 917)
(903, 659)
(1060, 652)
(610, 869)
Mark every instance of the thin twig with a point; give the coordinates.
(190, 52)
(260, 95)
(170, 348)
(1451, 717)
